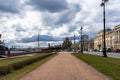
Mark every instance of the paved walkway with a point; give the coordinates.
(65, 67)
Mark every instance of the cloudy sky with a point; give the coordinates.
(21, 20)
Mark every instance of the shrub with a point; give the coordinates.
(5, 70)
(15, 66)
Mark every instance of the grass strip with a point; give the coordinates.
(16, 75)
(108, 66)
(15, 60)
(4, 70)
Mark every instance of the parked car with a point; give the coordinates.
(78, 50)
(109, 50)
(4, 51)
(95, 50)
(91, 50)
(101, 50)
(116, 50)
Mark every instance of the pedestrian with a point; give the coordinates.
(8, 54)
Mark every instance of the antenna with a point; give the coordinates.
(74, 38)
(38, 40)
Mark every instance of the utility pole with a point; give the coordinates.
(81, 41)
(74, 44)
(0, 39)
(104, 21)
(74, 39)
(38, 41)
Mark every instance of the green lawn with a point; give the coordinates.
(108, 66)
(14, 60)
(16, 75)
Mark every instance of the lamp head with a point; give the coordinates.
(81, 28)
(0, 35)
(105, 0)
(102, 4)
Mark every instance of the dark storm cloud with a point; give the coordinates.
(69, 15)
(62, 17)
(64, 12)
(42, 38)
(45, 38)
(49, 5)
(10, 6)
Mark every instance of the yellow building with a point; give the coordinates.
(98, 41)
(112, 39)
(109, 39)
(116, 37)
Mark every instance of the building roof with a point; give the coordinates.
(117, 26)
(107, 30)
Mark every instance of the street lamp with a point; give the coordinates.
(38, 41)
(81, 40)
(74, 44)
(104, 42)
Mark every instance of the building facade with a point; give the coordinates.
(112, 39)
(116, 37)
(98, 41)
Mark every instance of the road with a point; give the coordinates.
(65, 67)
(109, 54)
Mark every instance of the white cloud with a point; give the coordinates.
(60, 31)
(58, 23)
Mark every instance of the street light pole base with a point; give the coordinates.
(81, 52)
(104, 52)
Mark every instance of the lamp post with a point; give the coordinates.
(38, 41)
(81, 40)
(74, 44)
(104, 41)
(0, 39)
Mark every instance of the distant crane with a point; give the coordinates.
(38, 40)
(74, 44)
